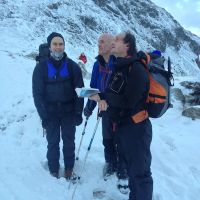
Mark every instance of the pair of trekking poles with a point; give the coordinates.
(88, 150)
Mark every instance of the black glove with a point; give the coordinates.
(78, 119)
(89, 108)
(45, 123)
(87, 112)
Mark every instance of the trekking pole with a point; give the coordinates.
(88, 150)
(169, 65)
(170, 72)
(83, 133)
(170, 81)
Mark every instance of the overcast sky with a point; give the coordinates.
(186, 12)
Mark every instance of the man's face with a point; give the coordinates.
(57, 44)
(119, 48)
(105, 45)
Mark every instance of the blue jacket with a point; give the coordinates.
(101, 74)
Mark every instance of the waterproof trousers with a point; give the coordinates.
(134, 142)
(61, 127)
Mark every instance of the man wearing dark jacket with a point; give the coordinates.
(101, 73)
(126, 104)
(54, 82)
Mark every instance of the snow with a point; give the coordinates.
(175, 144)
(175, 147)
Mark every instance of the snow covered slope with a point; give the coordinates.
(175, 148)
(23, 26)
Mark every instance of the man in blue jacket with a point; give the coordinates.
(102, 71)
(54, 82)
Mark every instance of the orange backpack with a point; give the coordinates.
(158, 100)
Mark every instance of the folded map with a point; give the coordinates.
(86, 92)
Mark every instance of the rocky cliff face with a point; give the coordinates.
(189, 96)
(81, 22)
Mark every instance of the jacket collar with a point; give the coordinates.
(102, 61)
(123, 62)
(58, 63)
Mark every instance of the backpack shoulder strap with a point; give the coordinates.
(145, 62)
(70, 69)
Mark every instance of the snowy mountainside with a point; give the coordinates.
(81, 23)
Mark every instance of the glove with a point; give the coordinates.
(78, 119)
(89, 108)
(45, 123)
(87, 112)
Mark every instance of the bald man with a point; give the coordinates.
(102, 71)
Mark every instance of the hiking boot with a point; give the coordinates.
(122, 183)
(68, 173)
(54, 174)
(108, 170)
(71, 176)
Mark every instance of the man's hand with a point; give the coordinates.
(102, 104)
(95, 97)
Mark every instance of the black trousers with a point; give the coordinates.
(109, 141)
(134, 142)
(111, 152)
(61, 127)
